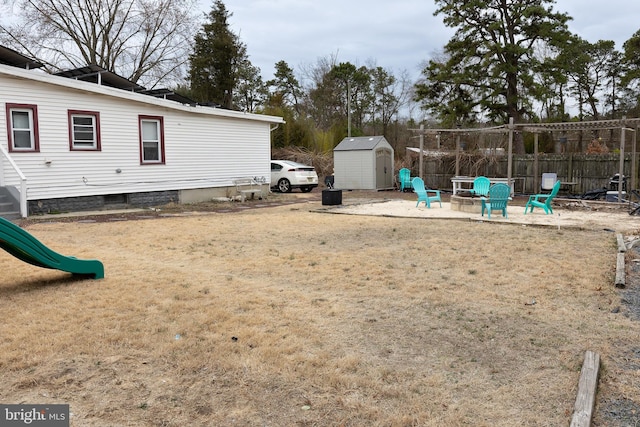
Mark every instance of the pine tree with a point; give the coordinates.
(486, 70)
(214, 62)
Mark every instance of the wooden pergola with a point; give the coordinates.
(625, 125)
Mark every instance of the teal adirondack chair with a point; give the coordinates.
(499, 196)
(404, 175)
(423, 193)
(542, 200)
(480, 186)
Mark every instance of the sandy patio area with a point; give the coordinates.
(569, 214)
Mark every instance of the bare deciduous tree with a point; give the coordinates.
(146, 41)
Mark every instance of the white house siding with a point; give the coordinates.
(204, 147)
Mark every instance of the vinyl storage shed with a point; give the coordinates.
(363, 163)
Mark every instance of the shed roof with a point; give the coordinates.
(96, 74)
(169, 94)
(73, 84)
(588, 125)
(11, 57)
(543, 127)
(360, 143)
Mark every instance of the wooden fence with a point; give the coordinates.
(588, 171)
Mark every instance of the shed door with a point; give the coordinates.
(384, 170)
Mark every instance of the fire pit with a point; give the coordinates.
(464, 202)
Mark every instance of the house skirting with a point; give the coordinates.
(128, 200)
(102, 202)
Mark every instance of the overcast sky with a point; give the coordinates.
(397, 35)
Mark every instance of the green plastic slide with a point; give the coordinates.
(27, 248)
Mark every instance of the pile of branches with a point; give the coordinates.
(323, 162)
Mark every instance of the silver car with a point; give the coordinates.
(287, 175)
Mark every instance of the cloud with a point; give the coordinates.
(397, 35)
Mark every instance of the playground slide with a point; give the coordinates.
(27, 248)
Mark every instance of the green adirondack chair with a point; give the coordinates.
(542, 200)
(480, 186)
(404, 175)
(499, 196)
(423, 193)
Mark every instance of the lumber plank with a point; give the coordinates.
(620, 274)
(621, 246)
(587, 386)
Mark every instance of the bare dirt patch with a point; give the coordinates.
(286, 316)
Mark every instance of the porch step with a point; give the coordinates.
(7, 212)
(10, 215)
(7, 208)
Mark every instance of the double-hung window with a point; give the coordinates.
(151, 140)
(22, 121)
(84, 130)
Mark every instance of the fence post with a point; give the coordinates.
(623, 132)
(510, 152)
(536, 167)
(420, 157)
(458, 154)
(634, 161)
(570, 168)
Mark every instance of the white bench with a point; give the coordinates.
(248, 186)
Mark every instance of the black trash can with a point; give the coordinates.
(332, 197)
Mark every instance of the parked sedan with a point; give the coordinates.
(287, 175)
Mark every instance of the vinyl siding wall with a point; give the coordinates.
(202, 149)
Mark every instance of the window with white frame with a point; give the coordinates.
(22, 120)
(151, 140)
(84, 130)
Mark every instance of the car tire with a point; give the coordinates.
(284, 186)
(306, 189)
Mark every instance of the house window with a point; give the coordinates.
(84, 130)
(151, 140)
(22, 120)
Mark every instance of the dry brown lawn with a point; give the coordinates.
(283, 316)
